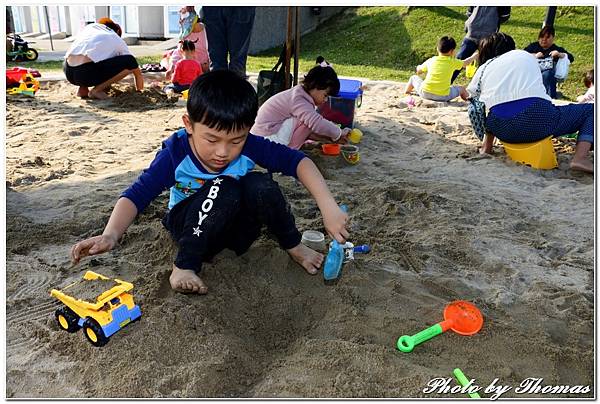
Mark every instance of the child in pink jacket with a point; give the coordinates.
(290, 117)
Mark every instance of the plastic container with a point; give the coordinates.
(538, 154)
(470, 70)
(355, 136)
(340, 109)
(15, 74)
(350, 153)
(331, 149)
(314, 239)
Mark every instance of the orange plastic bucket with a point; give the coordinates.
(331, 149)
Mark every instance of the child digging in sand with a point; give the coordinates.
(439, 69)
(216, 202)
(290, 117)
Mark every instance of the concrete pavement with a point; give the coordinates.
(44, 48)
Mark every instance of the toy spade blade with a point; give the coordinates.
(335, 257)
(333, 262)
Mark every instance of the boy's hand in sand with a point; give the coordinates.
(334, 218)
(335, 221)
(92, 246)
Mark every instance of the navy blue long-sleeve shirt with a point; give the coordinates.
(176, 167)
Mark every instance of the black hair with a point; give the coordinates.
(494, 45)
(322, 78)
(222, 100)
(187, 45)
(446, 44)
(588, 78)
(547, 30)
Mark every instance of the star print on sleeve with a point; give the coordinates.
(197, 231)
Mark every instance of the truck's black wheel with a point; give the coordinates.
(93, 332)
(67, 319)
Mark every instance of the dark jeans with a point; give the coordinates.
(229, 213)
(228, 31)
(178, 88)
(550, 82)
(91, 74)
(542, 119)
(467, 48)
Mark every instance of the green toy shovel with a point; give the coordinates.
(460, 316)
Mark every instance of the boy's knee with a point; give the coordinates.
(261, 189)
(258, 183)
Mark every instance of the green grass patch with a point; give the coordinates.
(55, 66)
(387, 43)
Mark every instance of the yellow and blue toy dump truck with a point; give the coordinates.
(98, 304)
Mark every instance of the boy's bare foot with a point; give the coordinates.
(582, 165)
(186, 281)
(99, 95)
(308, 258)
(83, 92)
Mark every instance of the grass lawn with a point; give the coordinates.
(387, 43)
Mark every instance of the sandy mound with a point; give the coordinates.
(444, 223)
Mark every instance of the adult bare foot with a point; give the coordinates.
(98, 95)
(186, 281)
(580, 161)
(83, 92)
(308, 258)
(487, 144)
(483, 150)
(582, 165)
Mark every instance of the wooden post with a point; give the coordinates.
(296, 44)
(288, 48)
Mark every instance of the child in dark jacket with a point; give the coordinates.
(216, 201)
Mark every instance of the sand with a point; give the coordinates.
(444, 223)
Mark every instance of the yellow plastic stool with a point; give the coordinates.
(538, 154)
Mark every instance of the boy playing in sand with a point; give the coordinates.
(216, 202)
(439, 69)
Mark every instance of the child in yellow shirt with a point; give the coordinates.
(439, 69)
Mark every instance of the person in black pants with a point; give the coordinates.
(216, 200)
(228, 32)
(98, 58)
(482, 21)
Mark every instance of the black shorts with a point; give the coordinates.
(91, 74)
